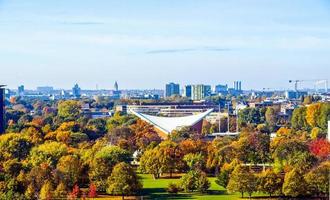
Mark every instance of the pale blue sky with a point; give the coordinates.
(145, 44)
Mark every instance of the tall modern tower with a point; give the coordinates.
(172, 89)
(2, 109)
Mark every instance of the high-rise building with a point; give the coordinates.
(76, 91)
(2, 109)
(172, 89)
(200, 91)
(237, 86)
(20, 90)
(187, 91)
(116, 92)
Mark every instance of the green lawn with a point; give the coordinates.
(156, 189)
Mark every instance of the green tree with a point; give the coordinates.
(195, 180)
(298, 119)
(103, 162)
(294, 184)
(242, 180)
(69, 110)
(194, 161)
(271, 118)
(150, 163)
(123, 181)
(49, 152)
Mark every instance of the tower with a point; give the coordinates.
(116, 86)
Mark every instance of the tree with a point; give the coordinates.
(223, 178)
(313, 112)
(103, 162)
(150, 163)
(294, 184)
(61, 191)
(92, 193)
(123, 180)
(271, 118)
(69, 110)
(316, 133)
(320, 148)
(253, 147)
(298, 119)
(242, 180)
(75, 192)
(308, 100)
(69, 166)
(318, 179)
(270, 182)
(195, 180)
(49, 152)
(46, 191)
(144, 135)
(194, 161)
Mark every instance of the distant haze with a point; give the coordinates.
(147, 43)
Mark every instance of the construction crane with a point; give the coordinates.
(317, 82)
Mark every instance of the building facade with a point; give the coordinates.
(172, 89)
(200, 91)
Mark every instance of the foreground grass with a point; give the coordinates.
(156, 189)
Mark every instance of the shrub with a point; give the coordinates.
(173, 188)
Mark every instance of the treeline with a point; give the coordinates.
(59, 153)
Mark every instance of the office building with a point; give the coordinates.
(237, 86)
(172, 89)
(20, 90)
(200, 91)
(187, 91)
(76, 91)
(2, 109)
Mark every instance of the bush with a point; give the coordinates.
(173, 188)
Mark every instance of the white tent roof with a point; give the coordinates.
(168, 124)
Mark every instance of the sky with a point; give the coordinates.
(147, 43)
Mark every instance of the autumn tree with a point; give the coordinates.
(318, 179)
(92, 192)
(320, 148)
(270, 182)
(294, 184)
(242, 180)
(123, 181)
(69, 109)
(46, 191)
(103, 162)
(69, 167)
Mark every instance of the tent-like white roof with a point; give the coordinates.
(168, 124)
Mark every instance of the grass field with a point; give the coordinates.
(156, 189)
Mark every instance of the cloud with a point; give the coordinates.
(160, 51)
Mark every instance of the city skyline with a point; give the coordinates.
(147, 44)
